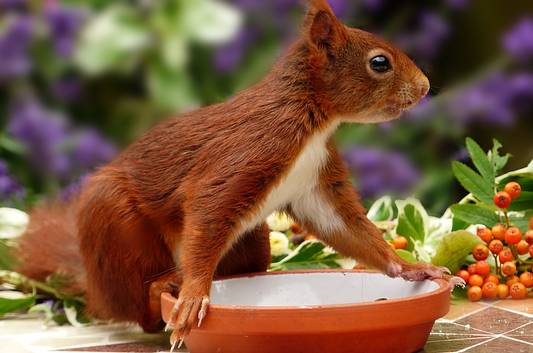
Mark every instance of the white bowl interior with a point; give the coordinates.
(302, 289)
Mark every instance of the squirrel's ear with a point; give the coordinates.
(321, 25)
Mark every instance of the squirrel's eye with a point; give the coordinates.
(380, 63)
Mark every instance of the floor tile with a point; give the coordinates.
(494, 320)
(519, 305)
(452, 345)
(453, 329)
(524, 333)
(501, 345)
(462, 309)
(157, 343)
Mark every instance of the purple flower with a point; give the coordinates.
(458, 4)
(377, 172)
(518, 41)
(15, 42)
(433, 30)
(42, 132)
(423, 109)
(228, 56)
(73, 188)
(9, 187)
(67, 88)
(461, 155)
(91, 149)
(373, 5)
(13, 5)
(64, 24)
(339, 7)
(494, 100)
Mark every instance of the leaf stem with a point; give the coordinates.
(498, 267)
(506, 218)
(28, 285)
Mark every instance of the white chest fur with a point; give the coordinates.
(299, 183)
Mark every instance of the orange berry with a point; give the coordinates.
(496, 246)
(475, 293)
(522, 247)
(502, 199)
(529, 237)
(491, 278)
(505, 255)
(485, 234)
(498, 231)
(513, 189)
(531, 251)
(512, 280)
(482, 267)
(472, 269)
(311, 236)
(480, 252)
(400, 242)
(513, 235)
(526, 279)
(295, 228)
(517, 290)
(464, 275)
(508, 268)
(475, 280)
(503, 291)
(490, 290)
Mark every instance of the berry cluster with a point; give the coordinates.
(505, 244)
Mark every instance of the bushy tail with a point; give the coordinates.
(50, 246)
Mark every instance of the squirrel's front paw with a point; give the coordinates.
(420, 271)
(183, 315)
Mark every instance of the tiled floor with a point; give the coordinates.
(489, 326)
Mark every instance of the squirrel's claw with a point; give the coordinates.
(183, 314)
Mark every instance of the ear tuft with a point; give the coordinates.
(322, 26)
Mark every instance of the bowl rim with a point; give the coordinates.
(444, 286)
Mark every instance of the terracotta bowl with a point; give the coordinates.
(317, 311)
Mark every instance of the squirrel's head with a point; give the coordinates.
(357, 76)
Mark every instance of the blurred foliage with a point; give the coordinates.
(81, 79)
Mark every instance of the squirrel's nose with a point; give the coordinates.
(423, 83)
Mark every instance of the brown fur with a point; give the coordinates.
(173, 204)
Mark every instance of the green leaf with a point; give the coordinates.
(411, 224)
(381, 210)
(43, 308)
(211, 21)
(481, 161)
(75, 314)
(60, 319)
(113, 40)
(9, 144)
(475, 214)
(7, 261)
(424, 256)
(11, 301)
(499, 162)
(473, 182)
(453, 249)
(459, 224)
(310, 254)
(406, 255)
(170, 88)
(526, 183)
(523, 202)
(521, 221)
(459, 293)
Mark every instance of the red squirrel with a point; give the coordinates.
(187, 201)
